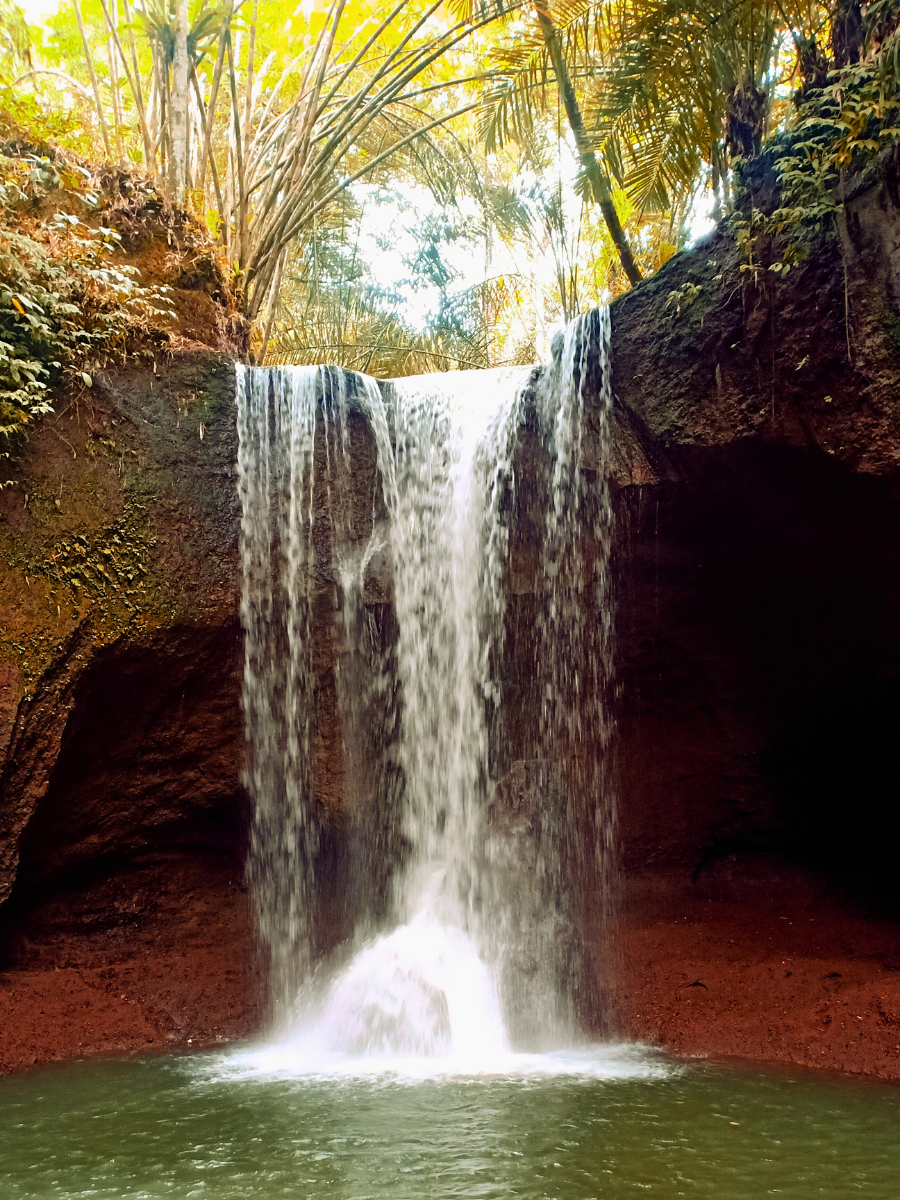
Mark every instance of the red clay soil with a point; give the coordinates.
(163, 961)
(788, 978)
(787, 975)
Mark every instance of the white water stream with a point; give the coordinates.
(479, 948)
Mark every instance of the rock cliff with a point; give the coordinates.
(758, 651)
(755, 462)
(121, 822)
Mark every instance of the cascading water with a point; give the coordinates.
(275, 477)
(279, 412)
(478, 944)
(425, 988)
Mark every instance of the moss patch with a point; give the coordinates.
(106, 577)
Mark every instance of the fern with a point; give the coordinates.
(65, 305)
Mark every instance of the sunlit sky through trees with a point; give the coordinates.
(442, 185)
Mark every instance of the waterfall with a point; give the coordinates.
(279, 413)
(482, 837)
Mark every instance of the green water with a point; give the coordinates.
(188, 1128)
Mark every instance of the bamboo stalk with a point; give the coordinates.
(268, 133)
(250, 139)
(229, 199)
(93, 75)
(353, 126)
(248, 97)
(134, 81)
(138, 90)
(243, 216)
(163, 143)
(273, 305)
(415, 64)
(214, 94)
(58, 74)
(291, 222)
(179, 104)
(220, 204)
(114, 80)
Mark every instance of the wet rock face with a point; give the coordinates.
(756, 451)
(120, 711)
(149, 760)
(123, 819)
(759, 664)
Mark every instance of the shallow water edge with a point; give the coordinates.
(619, 1122)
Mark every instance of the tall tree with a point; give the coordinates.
(656, 91)
(275, 127)
(596, 177)
(180, 98)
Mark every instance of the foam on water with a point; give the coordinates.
(307, 1058)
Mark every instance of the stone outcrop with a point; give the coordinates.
(757, 572)
(121, 821)
(758, 555)
(758, 649)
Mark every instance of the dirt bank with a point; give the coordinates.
(778, 969)
(151, 958)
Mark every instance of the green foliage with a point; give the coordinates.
(669, 92)
(840, 130)
(159, 22)
(289, 107)
(286, 107)
(333, 306)
(66, 306)
(682, 298)
(676, 91)
(15, 38)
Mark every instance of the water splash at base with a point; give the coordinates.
(305, 1060)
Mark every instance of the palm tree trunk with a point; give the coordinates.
(600, 185)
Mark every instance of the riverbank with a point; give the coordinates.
(749, 963)
(157, 959)
(768, 967)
